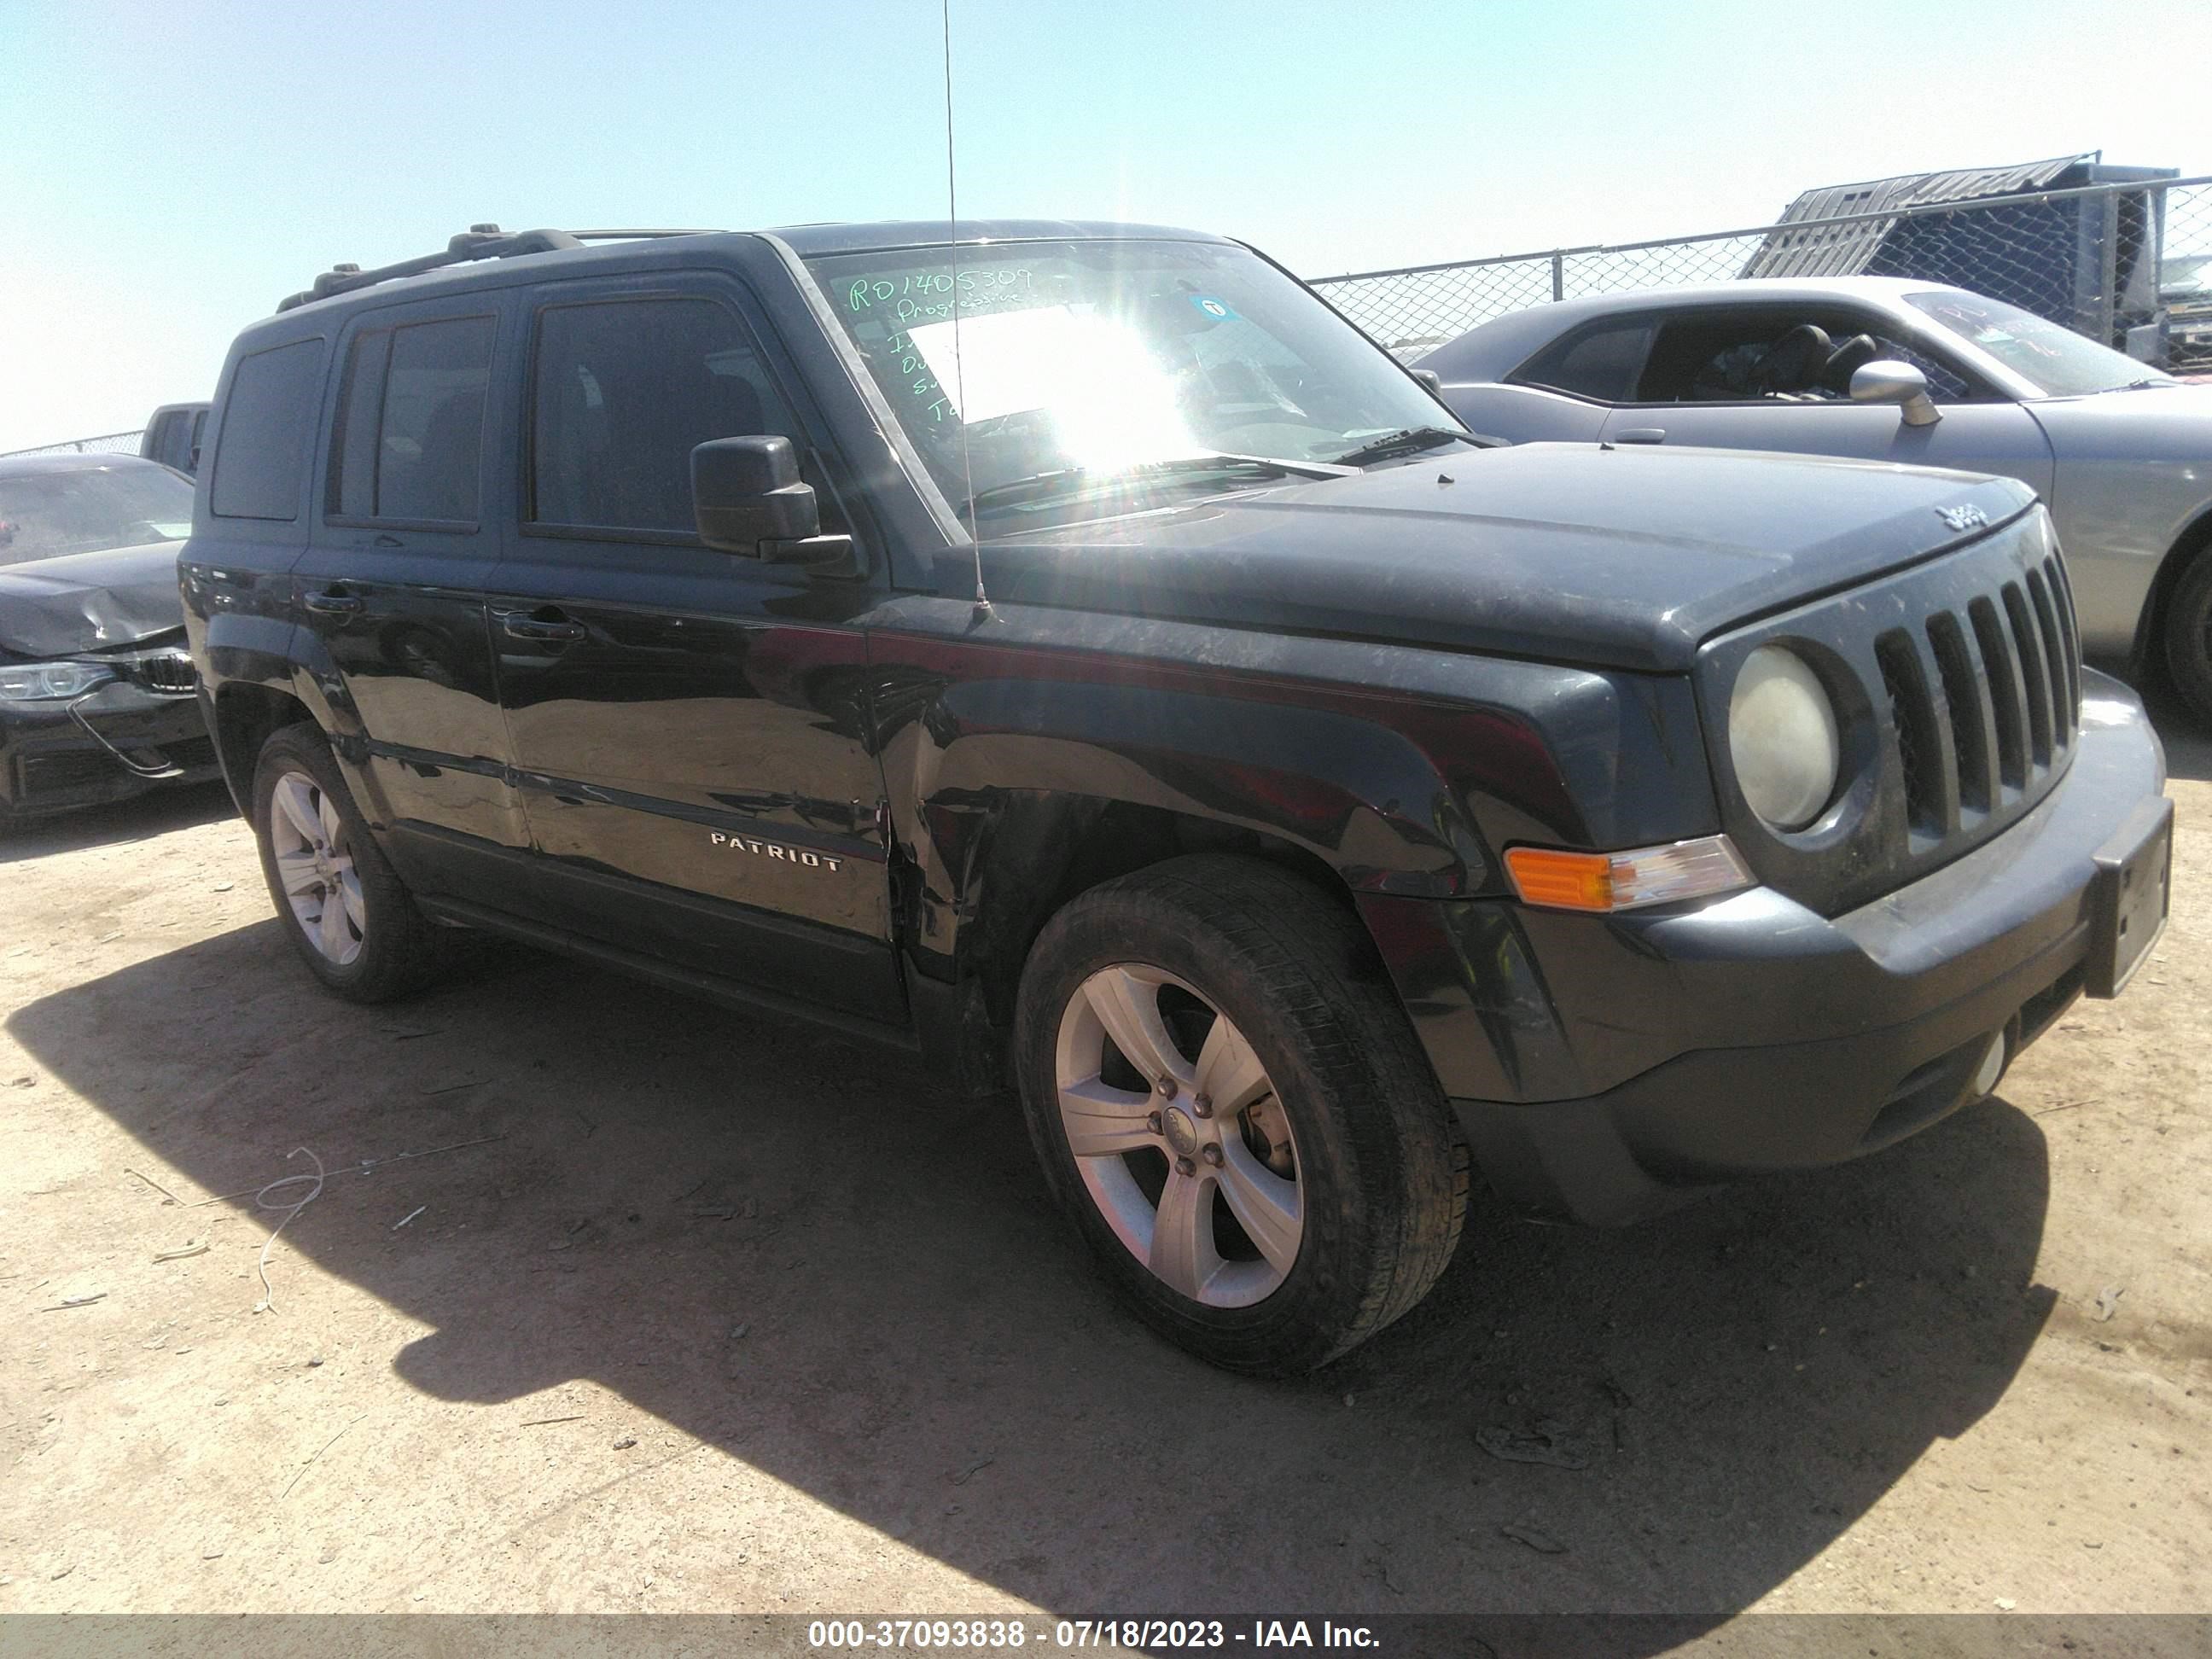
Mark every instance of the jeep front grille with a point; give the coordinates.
(1958, 690)
(1984, 708)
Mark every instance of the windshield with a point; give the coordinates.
(2061, 363)
(46, 514)
(1083, 364)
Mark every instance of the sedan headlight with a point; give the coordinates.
(41, 682)
(1783, 738)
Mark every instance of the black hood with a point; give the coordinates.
(65, 607)
(1624, 558)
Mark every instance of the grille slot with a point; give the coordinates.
(2054, 657)
(2032, 673)
(1966, 710)
(2007, 697)
(2062, 598)
(1931, 793)
(172, 673)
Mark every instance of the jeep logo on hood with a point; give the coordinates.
(1963, 518)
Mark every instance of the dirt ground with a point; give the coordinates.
(705, 1314)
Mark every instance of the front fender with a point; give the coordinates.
(1402, 770)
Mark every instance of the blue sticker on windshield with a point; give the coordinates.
(1212, 307)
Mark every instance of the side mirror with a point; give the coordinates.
(1892, 382)
(746, 496)
(1430, 379)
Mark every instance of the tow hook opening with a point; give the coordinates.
(1958, 1077)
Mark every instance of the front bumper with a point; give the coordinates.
(117, 741)
(1604, 1068)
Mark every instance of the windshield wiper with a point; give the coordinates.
(1066, 479)
(1410, 442)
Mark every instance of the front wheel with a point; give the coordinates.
(1229, 1104)
(2188, 637)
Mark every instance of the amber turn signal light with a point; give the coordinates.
(1560, 880)
(1569, 881)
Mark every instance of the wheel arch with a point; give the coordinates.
(2149, 656)
(245, 714)
(1048, 849)
(1019, 862)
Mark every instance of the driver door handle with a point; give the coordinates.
(541, 625)
(332, 604)
(1640, 435)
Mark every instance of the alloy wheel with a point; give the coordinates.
(1178, 1136)
(315, 868)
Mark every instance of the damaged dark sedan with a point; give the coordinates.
(96, 689)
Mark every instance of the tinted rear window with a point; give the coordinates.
(262, 452)
(411, 422)
(1602, 364)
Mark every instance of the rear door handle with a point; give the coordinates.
(1640, 435)
(332, 605)
(523, 626)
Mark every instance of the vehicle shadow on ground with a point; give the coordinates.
(2188, 745)
(139, 818)
(796, 1251)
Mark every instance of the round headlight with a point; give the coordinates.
(1782, 736)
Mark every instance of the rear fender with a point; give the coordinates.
(275, 655)
(321, 689)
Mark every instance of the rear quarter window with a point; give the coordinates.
(261, 450)
(1601, 363)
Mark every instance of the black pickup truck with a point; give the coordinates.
(1076, 655)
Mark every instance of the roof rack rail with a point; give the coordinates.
(627, 236)
(476, 242)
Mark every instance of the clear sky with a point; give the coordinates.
(170, 170)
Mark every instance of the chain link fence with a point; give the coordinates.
(2130, 263)
(108, 443)
(2185, 275)
(2121, 263)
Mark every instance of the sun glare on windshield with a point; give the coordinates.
(1108, 401)
(1077, 358)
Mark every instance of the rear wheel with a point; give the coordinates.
(1230, 1105)
(345, 909)
(2188, 637)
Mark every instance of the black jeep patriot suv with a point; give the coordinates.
(1322, 800)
